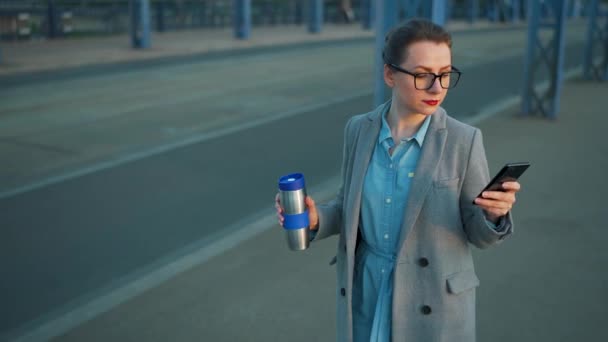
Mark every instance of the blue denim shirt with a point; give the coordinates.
(385, 192)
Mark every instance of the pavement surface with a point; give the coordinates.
(546, 283)
(239, 282)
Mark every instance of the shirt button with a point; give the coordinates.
(426, 310)
(382, 270)
(388, 200)
(390, 166)
(385, 236)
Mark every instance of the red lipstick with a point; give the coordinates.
(431, 102)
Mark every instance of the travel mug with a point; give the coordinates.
(292, 194)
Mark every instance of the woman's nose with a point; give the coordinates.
(436, 86)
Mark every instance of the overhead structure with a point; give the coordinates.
(595, 64)
(439, 10)
(472, 10)
(51, 18)
(542, 55)
(242, 19)
(315, 16)
(159, 9)
(139, 13)
(366, 10)
(385, 18)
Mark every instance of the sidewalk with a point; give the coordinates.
(44, 55)
(546, 283)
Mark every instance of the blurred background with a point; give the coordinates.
(40, 19)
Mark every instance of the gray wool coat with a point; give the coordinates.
(434, 278)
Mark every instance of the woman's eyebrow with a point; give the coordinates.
(430, 69)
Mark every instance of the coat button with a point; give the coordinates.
(423, 262)
(426, 310)
(343, 292)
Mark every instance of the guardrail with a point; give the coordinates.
(55, 18)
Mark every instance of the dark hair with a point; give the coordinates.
(412, 31)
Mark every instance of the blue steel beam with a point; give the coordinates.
(515, 9)
(438, 11)
(299, 12)
(412, 8)
(434, 10)
(386, 18)
(597, 37)
(315, 16)
(160, 16)
(140, 23)
(473, 10)
(492, 10)
(365, 8)
(549, 55)
(242, 19)
(51, 17)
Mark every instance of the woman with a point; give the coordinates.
(407, 210)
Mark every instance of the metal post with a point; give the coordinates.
(427, 9)
(140, 23)
(549, 55)
(449, 10)
(438, 11)
(591, 25)
(160, 16)
(366, 14)
(515, 11)
(597, 36)
(299, 15)
(386, 17)
(51, 17)
(576, 8)
(411, 8)
(242, 19)
(473, 10)
(315, 16)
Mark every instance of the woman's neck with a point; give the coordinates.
(403, 124)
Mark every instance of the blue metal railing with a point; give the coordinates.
(100, 17)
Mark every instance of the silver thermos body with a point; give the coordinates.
(292, 190)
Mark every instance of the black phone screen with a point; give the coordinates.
(510, 172)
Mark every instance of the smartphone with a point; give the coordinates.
(510, 172)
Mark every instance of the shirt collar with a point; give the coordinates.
(385, 131)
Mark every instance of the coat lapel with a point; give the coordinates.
(366, 141)
(432, 150)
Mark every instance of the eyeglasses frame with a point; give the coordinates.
(454, 69)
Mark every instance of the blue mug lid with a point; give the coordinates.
(291, 182)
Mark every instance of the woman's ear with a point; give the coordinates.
(389, 76)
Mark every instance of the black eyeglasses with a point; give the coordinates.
(425, 80)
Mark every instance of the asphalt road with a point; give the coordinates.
(70, 240)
